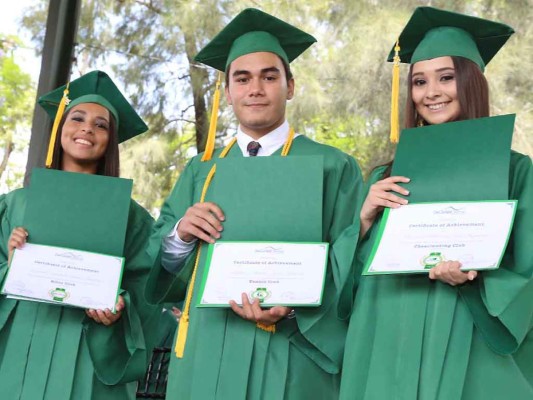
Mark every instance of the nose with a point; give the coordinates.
(256, 87)
(87, 127)
(433, 89)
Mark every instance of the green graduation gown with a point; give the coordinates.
(411, 338)
(227, 357)
(54, 352)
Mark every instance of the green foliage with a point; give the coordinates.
(16, 97)
(342, 82)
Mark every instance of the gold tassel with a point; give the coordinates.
(288, 143)
(60, 111)
(210, 143)
(183, 328)
(394, 114)
(267, 328)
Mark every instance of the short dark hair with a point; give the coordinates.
(108, 165)
(286, 67)
(472, 92)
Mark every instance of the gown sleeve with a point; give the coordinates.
(164, 286)
(319, 333)
(121, 352)
(501, 301)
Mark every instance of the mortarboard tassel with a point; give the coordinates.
(210, 143)
(60, 111)
(395, 94)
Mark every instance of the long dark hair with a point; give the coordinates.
(108, 165)
(472, 94)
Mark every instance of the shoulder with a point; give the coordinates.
(519, 160)
(14, 198)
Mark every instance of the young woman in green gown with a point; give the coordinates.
(54, 352)
(452, 334)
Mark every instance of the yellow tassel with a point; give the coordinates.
(210, 143)
(60, 111)
(267, 328)
(394, 114)
(179, 348)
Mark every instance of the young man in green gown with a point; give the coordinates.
(245, 352)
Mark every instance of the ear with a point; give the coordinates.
(228, 96)
(290, 89)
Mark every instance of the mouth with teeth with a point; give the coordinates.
(83, 142)
(436, 107)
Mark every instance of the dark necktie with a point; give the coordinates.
(253, 148)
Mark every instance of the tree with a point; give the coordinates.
(16, 96)
(342, 83)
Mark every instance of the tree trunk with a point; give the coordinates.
(199, 78)
(8, 149)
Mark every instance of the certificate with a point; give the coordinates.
(275, 273)
(64, 276)
(416, 237)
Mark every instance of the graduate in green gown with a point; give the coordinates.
(54, 352)
(452, 334)
(248, 352)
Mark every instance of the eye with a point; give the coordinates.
(270, 78)
(76, 118)
(419, 82)
(447, 77)
(102, 125)
(242, 79)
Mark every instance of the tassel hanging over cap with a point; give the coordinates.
(210, 144)
(60, 111)
(395, 95)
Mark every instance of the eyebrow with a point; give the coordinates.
(437, 70)
(263, 71)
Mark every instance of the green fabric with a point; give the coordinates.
(59, 202)
(412, 338)
(254, 31)
(97, 87)
(478, 175)
(432, 33)
(229, 358)
(54, 352)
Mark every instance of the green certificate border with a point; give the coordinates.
(58, 302)
(383, 223)
(210, 250)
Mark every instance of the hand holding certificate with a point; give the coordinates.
(416, 237)
(64, 276)
(289, 274)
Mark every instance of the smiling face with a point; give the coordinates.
(258, 90)
(85, 137)
(434, 90)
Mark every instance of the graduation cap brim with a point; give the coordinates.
(426, 36)
(254, 31)
(97, 87)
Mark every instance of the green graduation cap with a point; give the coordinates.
(253, 31)
(432, 33)
(96, 87)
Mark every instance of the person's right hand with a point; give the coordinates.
(16, 240)
(380, 196)
(202, 221)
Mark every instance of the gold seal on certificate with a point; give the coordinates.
(64, 276)
(416, 237)
(289, 274)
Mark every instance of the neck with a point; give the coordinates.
(258, 133)
(91, 168)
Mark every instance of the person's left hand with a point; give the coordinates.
(253, 312)
(450, 272)
(106, 316)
